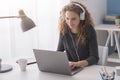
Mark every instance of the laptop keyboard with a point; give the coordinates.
(75, 70)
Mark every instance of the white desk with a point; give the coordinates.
(33, 73)
(112, 30)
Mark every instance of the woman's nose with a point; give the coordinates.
(70, 21)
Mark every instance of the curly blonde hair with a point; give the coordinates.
(82, 31)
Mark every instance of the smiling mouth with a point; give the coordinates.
(71, 25)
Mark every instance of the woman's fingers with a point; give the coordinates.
(72, 65)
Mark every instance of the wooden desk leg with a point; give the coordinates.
(117, 43)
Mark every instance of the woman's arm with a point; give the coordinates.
(93, 47)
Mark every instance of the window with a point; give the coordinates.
(14, 43)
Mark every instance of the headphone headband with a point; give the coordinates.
(82, 15)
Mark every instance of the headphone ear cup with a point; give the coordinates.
(82, 16)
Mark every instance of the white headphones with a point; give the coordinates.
(82, 15)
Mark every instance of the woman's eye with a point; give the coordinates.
(73, 18)
(67, 18)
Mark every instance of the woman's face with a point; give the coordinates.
(72, 20)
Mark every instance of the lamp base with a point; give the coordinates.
(5, 68)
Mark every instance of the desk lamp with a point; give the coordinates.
(26, 24)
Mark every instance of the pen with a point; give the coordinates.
(101, 75)
(105, 72)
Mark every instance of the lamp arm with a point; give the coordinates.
(3, 17)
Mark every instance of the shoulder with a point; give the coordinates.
(91, 31)
(62, 36)
(90, 28)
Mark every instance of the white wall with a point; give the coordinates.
(15, 43)
(22, 43)
(97, 8)
(48, 23)
(4, 31)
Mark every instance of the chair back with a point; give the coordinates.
(103, 55)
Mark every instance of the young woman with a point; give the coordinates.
(77, 36)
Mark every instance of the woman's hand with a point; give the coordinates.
(82, 63)
(73, 64)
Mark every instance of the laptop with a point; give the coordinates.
(54, 62)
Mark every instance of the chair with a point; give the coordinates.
(103, 55)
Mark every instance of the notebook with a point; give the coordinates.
(54, 62)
